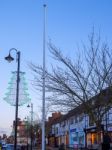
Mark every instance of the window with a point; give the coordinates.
(56, 130)
(80, 118)
(76, 119)
(71, 121)
(91, 121)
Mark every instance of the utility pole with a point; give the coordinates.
(43, 102)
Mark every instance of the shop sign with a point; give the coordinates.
(73, 130)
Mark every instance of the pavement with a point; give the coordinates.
(47, 148)
(51, 148)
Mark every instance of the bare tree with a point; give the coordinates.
(85, 81)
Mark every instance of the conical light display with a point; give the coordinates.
(23, 90)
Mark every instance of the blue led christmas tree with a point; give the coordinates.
(23, 90)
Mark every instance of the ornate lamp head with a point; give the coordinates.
(9, 58)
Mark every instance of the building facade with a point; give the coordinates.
(76, 129)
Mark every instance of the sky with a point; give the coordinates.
(68, 23)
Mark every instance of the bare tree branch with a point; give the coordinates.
(83, 82)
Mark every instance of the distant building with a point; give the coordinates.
(21, 131)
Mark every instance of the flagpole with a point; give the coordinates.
(43, 102)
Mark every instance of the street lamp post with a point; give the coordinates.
(9, 58)
(31, 125)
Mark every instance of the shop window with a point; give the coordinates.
(89, 139)
(81, 138)
(94, 138)
(74, 138)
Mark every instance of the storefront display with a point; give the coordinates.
(94, 138)
(77, 139)
(81, 140)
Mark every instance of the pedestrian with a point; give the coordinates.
(62, 147)
(106, 142)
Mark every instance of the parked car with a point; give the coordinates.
(11, 147)
(4, 146)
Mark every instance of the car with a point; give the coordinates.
(11, 147)
(4, 146)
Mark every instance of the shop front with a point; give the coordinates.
(77, 138)
(109, 130)
(51, 140)
(93, 138)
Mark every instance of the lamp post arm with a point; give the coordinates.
(17, 52)
(13, 49)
